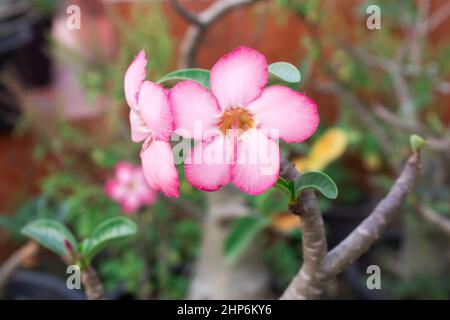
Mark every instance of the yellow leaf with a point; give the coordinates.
(372, 161)
(284, 222)
(330, 146)
(301, 164)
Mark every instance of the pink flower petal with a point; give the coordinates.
(149, 197)
(208, 166)
(146, 194)
(195, 109)
(130, 204)
(139, 129)
(257, 163)
(115, 190)
(290, 112)
(239, 77)
(159, 168)
(124, 172)
(134, 77)
(154, 108)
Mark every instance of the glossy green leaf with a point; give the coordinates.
(286, 188)
(199, 75)
(318, 181)
(243, 231)
(104, 234)
(416, 142)
(283, 72)
(50, 234)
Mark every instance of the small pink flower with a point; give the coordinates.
(129, 189)
(151, 121)
(245, 117)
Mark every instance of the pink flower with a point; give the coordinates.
(240, 120)
(128, 187)
(151, 121)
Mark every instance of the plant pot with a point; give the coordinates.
(33, 285)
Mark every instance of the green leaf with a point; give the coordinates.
(283, 72)
(416, 142)
(318, 181)
(104, 234)
(286, 188)
(199, 75)
(50, 234)
(243, 231)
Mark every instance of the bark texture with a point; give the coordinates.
(216, 278)
(92, 284)
(320, 266)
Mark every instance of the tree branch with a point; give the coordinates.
(360, 109)
(309, 282)
(438, 221)
(186, 14)
(441, 144)
(360, 240)
(195, 33)
(8, 268)
(318, 265)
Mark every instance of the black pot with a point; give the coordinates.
(33, 285)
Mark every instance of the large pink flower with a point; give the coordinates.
(151, 121)
(238, 123)
(128, 187)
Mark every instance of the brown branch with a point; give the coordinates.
(393, 120)
(438, 221)
(361, 110)
(196, 32)
(186, 14)
(92, 284)
(436, 18)
(309, 282)
(391, 67)
(8, 268)
(440, 144)
(360, 240)
(319, 266)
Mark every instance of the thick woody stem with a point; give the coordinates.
(92, 284)
(319, 266)
(361, 239)
(309, 282)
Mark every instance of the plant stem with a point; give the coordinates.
(92, 285)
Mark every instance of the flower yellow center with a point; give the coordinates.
(236, 118)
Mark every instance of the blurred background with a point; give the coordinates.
(64, 126)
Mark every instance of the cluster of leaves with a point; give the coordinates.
(245, 229)
(57, 238)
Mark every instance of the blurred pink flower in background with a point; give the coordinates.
(247, 119)
(129, 188)
(151, 122)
